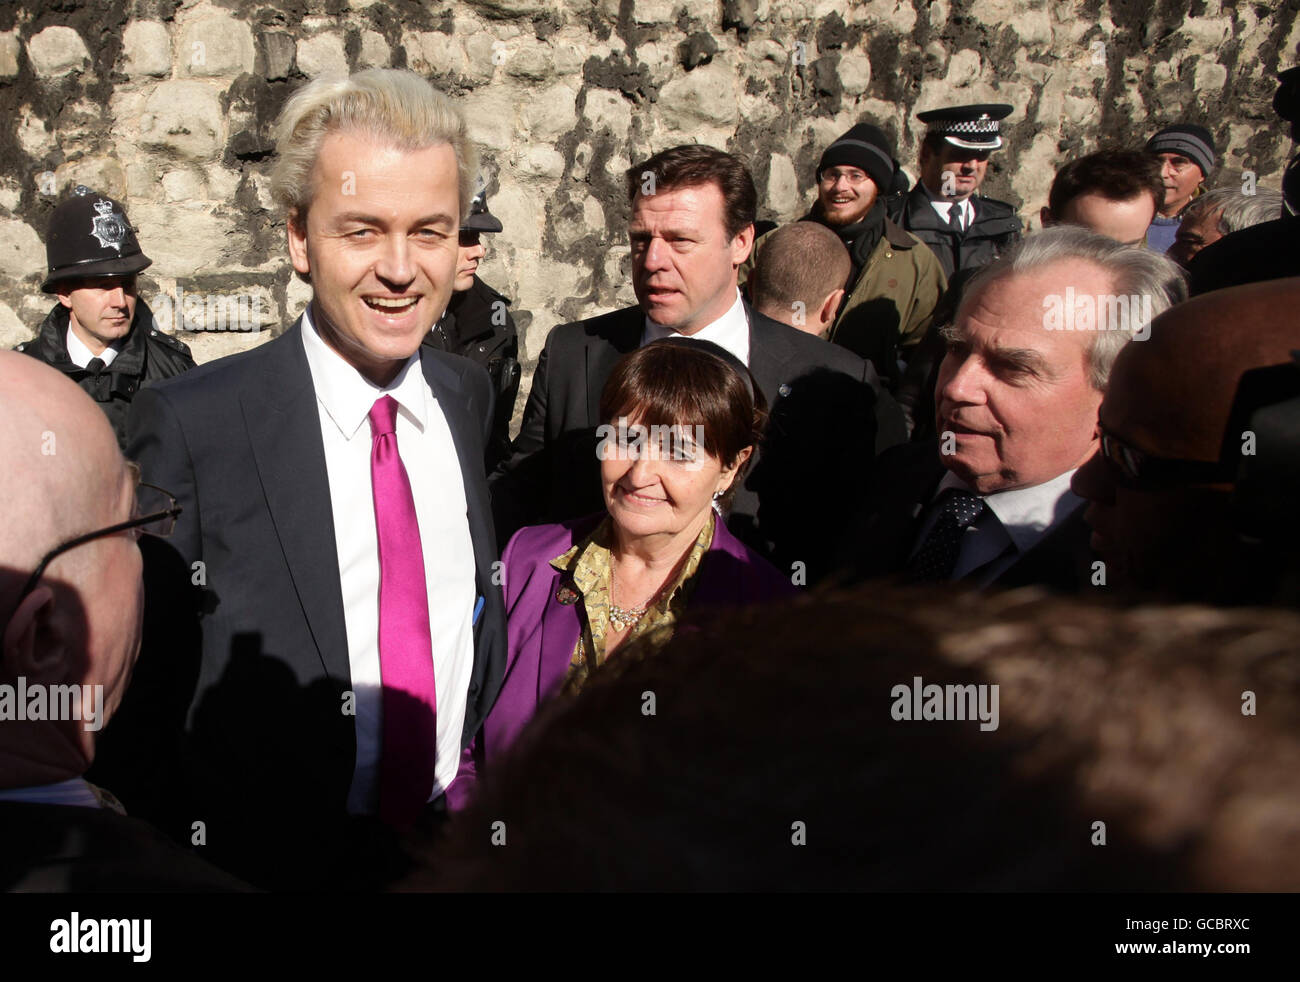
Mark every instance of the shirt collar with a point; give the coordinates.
(348, 396)
(730, 331)
(80, 355)
(1026, 513)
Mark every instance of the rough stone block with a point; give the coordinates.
(12, 329)
(57, 51)
(9, 47)
(102, 174)
(855, 72)
(782, 187)
(21, 251)
(706, 95)
(374, 51)
(183, 116)
(216, 45)
(322, 55)
(606, 109)
(550, 112)
(147, 48)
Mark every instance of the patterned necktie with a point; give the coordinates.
(410, 701)
(937, 556)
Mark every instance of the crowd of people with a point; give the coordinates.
(352, 635)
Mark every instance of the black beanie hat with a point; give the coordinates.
(867, 148)
(1193, 142)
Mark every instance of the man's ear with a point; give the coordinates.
(65, 296)
(1045, 216)
(742, 244)
(36, 643)
(297, 228)
(830, 307)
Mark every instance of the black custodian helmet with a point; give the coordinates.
(90, 236)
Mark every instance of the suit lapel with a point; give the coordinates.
(769, 356)
(624, 336)
(283, 425)
(458, 409)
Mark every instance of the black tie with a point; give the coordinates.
(95, 366)
(954, 217)
(937, 556)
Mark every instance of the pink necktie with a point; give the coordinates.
(406, 770)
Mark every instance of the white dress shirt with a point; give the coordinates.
(730, 331)
(81, 355)
(1012, 523)
(945, 207)
(344, 398)
(73, 791)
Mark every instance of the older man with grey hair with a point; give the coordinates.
(336, 519)
(1028, 358)
(1221, 212)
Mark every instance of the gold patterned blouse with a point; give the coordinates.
(588, 565)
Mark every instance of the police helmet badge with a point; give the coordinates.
(108, 228)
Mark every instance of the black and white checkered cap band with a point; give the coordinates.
(982, 126)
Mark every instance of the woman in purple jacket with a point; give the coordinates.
(682, 420)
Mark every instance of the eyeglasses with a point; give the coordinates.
(1140, 470)
(156, 510)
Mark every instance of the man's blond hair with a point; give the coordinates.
(394, 106)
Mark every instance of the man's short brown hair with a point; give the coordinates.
(802, 262)
(1116, 175)
(692, 165)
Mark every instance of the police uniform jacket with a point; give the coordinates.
(476, 328)
(996, 229)
(146, 356)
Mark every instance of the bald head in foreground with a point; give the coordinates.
(1165, 500)
(71, 602)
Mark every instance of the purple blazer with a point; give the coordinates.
(542, 632)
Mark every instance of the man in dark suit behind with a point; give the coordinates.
(989, 503)
(70, 611)
(336, 511)
(691, 227)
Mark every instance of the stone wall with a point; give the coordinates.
(167, 105)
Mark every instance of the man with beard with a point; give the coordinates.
(896, 281)
(101, 334)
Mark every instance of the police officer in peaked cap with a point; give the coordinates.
(944, 209)
(100, 333)
(478, 325)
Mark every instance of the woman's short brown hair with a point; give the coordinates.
(668, 382)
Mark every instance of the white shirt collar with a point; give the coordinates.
(81, 355)
(1026, 513)
(73, 791)
(730, 331)
(348, 396)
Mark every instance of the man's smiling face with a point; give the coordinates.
(379, 242)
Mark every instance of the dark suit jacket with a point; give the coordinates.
(894, 510)
(70, 849)
(268, 749)
(829, 417)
